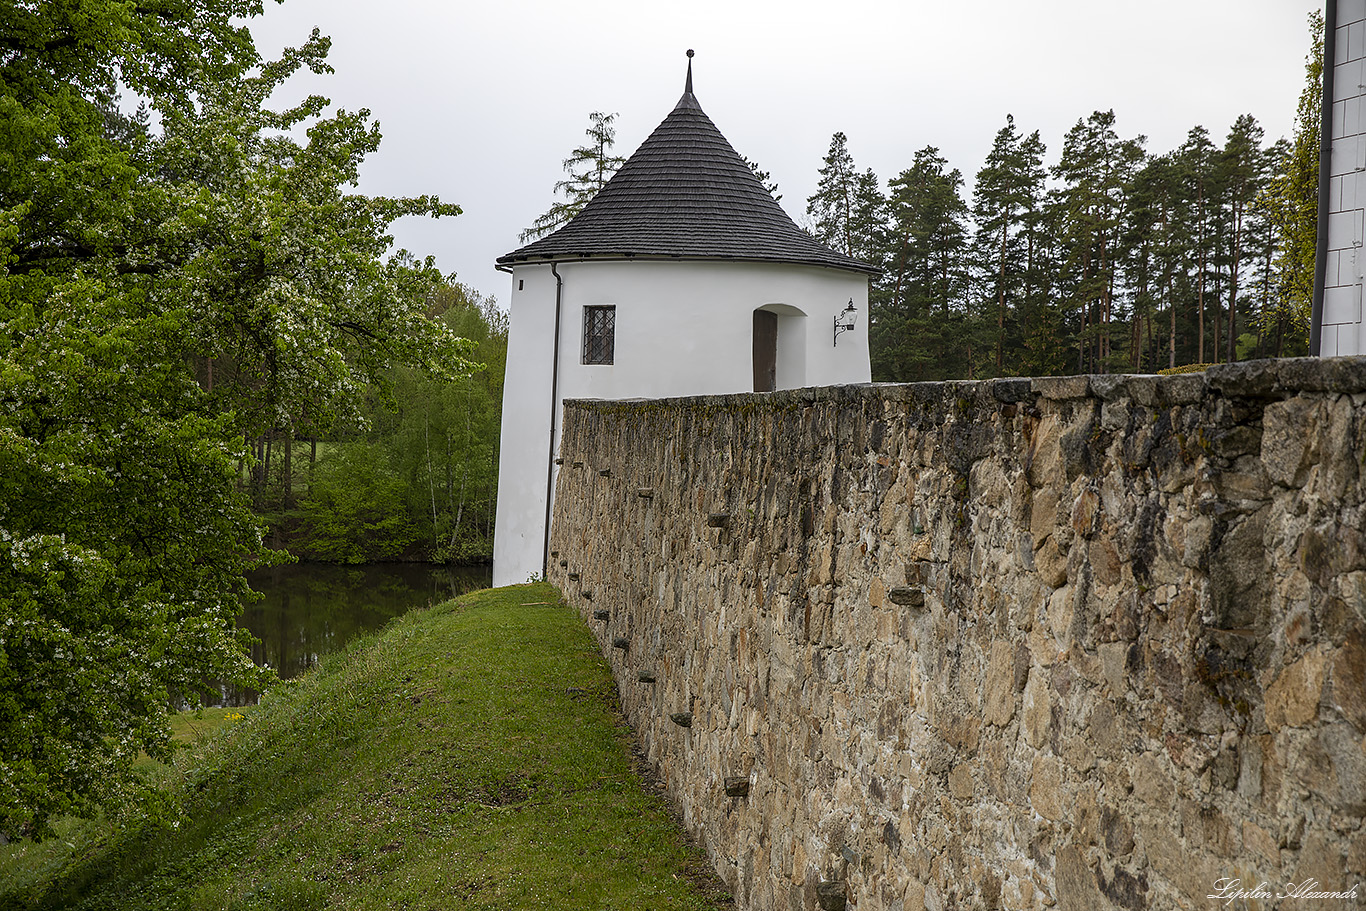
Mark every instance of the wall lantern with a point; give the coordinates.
(845, 321)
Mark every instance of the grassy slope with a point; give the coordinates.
(469, 756)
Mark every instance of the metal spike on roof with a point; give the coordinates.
(685, 193)
(689, 100)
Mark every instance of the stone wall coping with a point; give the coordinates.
(1273, 378)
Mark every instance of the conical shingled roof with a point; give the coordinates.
(685, 193)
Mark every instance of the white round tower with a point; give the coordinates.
(683, 276)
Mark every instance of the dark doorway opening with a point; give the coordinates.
(765, 351)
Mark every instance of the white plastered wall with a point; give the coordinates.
(1342, 324)
(682, 328)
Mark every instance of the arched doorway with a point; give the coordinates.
(779, 348)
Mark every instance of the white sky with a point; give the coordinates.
(479, 103)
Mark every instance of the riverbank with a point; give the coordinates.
(470, 755)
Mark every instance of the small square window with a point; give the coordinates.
(599, 334)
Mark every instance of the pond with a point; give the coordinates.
(312, 609)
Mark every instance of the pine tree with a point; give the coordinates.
(589, 168)
(1158, 243)
(766, 179)
(1096, 167)
(1009, 188)
(1195, 162)
(1141, 259)
(920, 331)
(1269, 239)
(1241, 173)
(847, 210)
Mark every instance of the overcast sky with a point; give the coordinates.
(479, 103)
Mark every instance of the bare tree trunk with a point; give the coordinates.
(1136, 358)
(1106, 315)
(1028, 289)
(1152, 352)
(1233, 282)
(900, 271)
(1266, 301)
(288, 469)
(1085, 313)
(1200, 283)
(1136, 342)
(270, 458)
(1171, 309)
(431, 481)
(1218, 324)
(450, 477)
(1001, 296)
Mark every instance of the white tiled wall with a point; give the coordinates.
(1342, 328)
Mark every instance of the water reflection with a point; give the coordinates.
(312, 609)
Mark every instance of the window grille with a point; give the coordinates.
(599, 334)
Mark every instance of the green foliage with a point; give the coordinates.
(1291, 203)
(1240, 172)
(468, 756)
(355, 510)
(447, 435)
(1096, 169)
(165, 293)
(118, 532)
(1008, 198)
(435, 440)
(921, 302)
(589, 168)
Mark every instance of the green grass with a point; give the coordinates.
(469, 756)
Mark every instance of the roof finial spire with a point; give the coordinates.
(687, 88)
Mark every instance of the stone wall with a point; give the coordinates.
(1084, 642)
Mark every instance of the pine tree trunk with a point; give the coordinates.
(1028, 291)
(1001, 297)
(1171, 309)
(1218, 324)
(1262, 323)
(1200, 283)
(901, 273)
(1152, 352)
(1103, 343)
(1233, 283)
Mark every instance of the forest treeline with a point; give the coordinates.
(1105, 257)
(416, 478)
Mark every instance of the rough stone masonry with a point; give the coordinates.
(1081, 642)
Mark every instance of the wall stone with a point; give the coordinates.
(1077, 642)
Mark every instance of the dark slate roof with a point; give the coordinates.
(685, 193)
